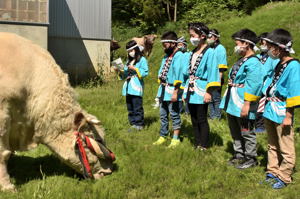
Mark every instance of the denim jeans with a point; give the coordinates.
(214, 110)
(172, 108)
(135, 110)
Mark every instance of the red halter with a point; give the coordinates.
(80, 137)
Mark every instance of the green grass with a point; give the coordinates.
(146, 171)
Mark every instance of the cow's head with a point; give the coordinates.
(99, 157)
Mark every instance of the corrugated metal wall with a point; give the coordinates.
(88, 19)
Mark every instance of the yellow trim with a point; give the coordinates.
(120, 74)
(250, 98)
(213, 84)
(158, 81)
(138, 73)
(223, 66)
(182, 87)
(176, 82)
(293, 101)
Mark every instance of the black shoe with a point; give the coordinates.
(235, 161)
(247, 164)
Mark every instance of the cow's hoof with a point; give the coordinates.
(9, 188)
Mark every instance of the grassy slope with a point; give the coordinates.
(145, 171)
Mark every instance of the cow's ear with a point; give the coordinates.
(79, 120)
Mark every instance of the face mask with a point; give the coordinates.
(271, 54)
(210, 41)
(195, 41)
(263, 48)
(169, 50)
(182, 48)
(131, 54)
(239, 49)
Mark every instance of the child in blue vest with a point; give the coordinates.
(202, 77)
(240, 100)
(220, 53)
(282, 93)
(170, 78)
(134, 72)
(268, 66)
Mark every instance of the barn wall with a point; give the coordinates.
(37, 34)
(79, 36)
(81, 59)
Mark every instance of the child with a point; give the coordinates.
(170, 78)
(220, 52)
(135, 70)
(239, 101)
(202, 76)
(282, 93)
(268, 65)
(182, 46)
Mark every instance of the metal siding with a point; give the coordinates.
(89, 19)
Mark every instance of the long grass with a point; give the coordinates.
(146, 171)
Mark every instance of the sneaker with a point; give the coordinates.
(235, 161)
(174, 143)
(247, 164)
(270, 179)
(200, 148)
(131, 129)
(279, 184)
(160, 141)
(138, 128)
(259, 130)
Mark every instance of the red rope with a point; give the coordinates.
(82, 152)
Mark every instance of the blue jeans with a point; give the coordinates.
(214, 110)
(135, 110)
(166, 108)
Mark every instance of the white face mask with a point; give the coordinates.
(263, 48)
(210, 41)
(271, 54)
(195, 41)
(131, 54)
(239, 49)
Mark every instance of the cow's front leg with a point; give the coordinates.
(5, 183)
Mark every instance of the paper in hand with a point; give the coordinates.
(117, 63)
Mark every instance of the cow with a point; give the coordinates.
(38, 106)
(146, 42)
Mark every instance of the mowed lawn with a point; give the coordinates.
(146, 171)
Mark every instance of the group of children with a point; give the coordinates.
(262, 90)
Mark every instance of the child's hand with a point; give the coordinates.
(116, 69)
(183, 98)
(174, 97)
(245, 109)
(131, 67)
(287, 121)
(207, 97)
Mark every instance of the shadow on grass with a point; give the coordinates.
(188, 132)
(150, 120)
(24, 168)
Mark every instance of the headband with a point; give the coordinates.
(168, 41)
(131, 48)
(199, 30)
(287, 47)
(212, 33)
(246, 40)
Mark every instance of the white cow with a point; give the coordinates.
(38, 106)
